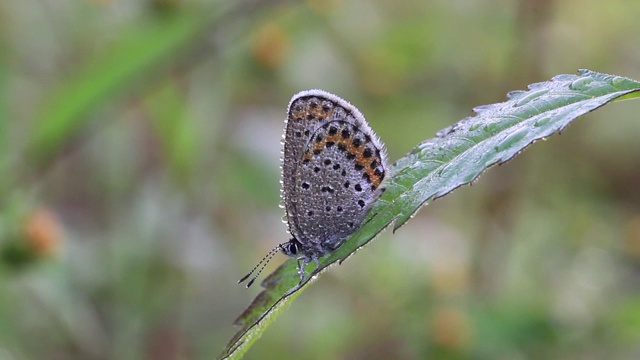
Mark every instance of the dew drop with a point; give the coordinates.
(491, 128)
(512, 139)
(582, 84)
(530, 97)
(619, 81)
(541, 122)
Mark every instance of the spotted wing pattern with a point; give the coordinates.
(333, 168)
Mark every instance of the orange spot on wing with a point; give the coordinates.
(358, 152)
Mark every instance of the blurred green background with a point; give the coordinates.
(139, 180)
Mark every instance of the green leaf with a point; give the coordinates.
(434, 168)
(152, 45)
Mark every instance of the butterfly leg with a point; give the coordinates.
(302, 263)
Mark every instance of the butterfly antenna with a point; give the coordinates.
(268, 258)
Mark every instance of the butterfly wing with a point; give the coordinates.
(333, 166)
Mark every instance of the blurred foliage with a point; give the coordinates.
(139, 145)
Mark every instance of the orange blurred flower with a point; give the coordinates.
(42, 232)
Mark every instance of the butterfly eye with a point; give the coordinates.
(293, 248)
